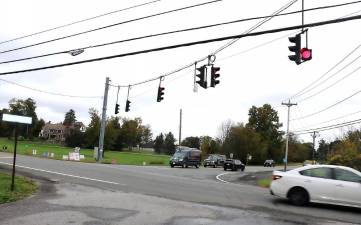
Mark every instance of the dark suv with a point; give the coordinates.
(233, 164)
(269, 163)
(214, 160)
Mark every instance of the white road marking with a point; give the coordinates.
(63, 174)
(219, 175)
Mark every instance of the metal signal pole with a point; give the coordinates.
(288, 104)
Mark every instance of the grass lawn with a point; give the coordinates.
(264, 182)
(23, 188)
(124, 157)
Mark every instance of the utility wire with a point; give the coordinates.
(173, 32)
(79, 21)
(348, 123)
(326, 88)
(48, 92)
(316, 24)
(112, 25)
(340, 117)
(318, 112)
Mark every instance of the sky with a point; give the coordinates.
(249, 75)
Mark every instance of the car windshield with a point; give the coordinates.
(178, 154)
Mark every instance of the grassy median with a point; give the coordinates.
(23, 188)
(117, 157)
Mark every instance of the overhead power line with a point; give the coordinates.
(112, 25)
(79, 21)
(333, 105)
(48, 92)
(337, 118)
(333, 84)
(322, 23)
(334, 126)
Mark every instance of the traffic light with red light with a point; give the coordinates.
(295, 48)
(127, 106)
(160, 94)
(214, 76)
(116, 108)
(202, 76)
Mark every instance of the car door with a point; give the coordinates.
(348, 187)
(318, 182)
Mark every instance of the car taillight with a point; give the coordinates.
(276, 177)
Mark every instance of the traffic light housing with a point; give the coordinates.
(214, 76)
(116, 108)
(295, 48)
(127, 106)
(160, 94)
(202, 76)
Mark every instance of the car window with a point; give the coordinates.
(318, 172)
(346, 175)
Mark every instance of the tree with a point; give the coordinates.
(192, 142)
(322, 150)
(297, 151)
(243, 141)
(159, 143)
(70, 118)
(92, 133)
(224, 130)
(264, 120)
(74, 138)
(169, 143)
(131, 131)
(24, 108)
(206, 145)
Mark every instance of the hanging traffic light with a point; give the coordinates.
(306, 54)
(116, 108)
(127, 106)
(295, 48)
(160, 94)
(202, 76)
(214, 76)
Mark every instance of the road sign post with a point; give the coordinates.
(16, 120)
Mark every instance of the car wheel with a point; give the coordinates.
(184, 165)
(298, 196)
(225, 168)
(214, 166)
(242, 169)
(196, 166)
(172, 165)
(205, 166)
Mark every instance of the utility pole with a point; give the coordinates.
(288, 104)
(314, 135)
(180, 127)
(103, 122)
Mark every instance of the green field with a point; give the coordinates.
(23, 188)
(124, 157)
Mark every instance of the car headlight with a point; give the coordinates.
(212, 161)
(180, 159)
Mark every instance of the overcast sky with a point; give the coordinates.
(254, 77)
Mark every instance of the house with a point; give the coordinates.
(57, 132)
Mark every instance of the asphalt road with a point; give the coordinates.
(160, 187)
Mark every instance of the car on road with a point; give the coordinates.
(234, 165)
(185, 157)
(269, 163)
(328, 184)
(214, 160)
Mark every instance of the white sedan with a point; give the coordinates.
(319, 183)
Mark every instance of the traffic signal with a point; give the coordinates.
(127, 106)
(214, 76)
(306, 54)
(202, 76)
(116, 108)
(160, 94)
(295, 48)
